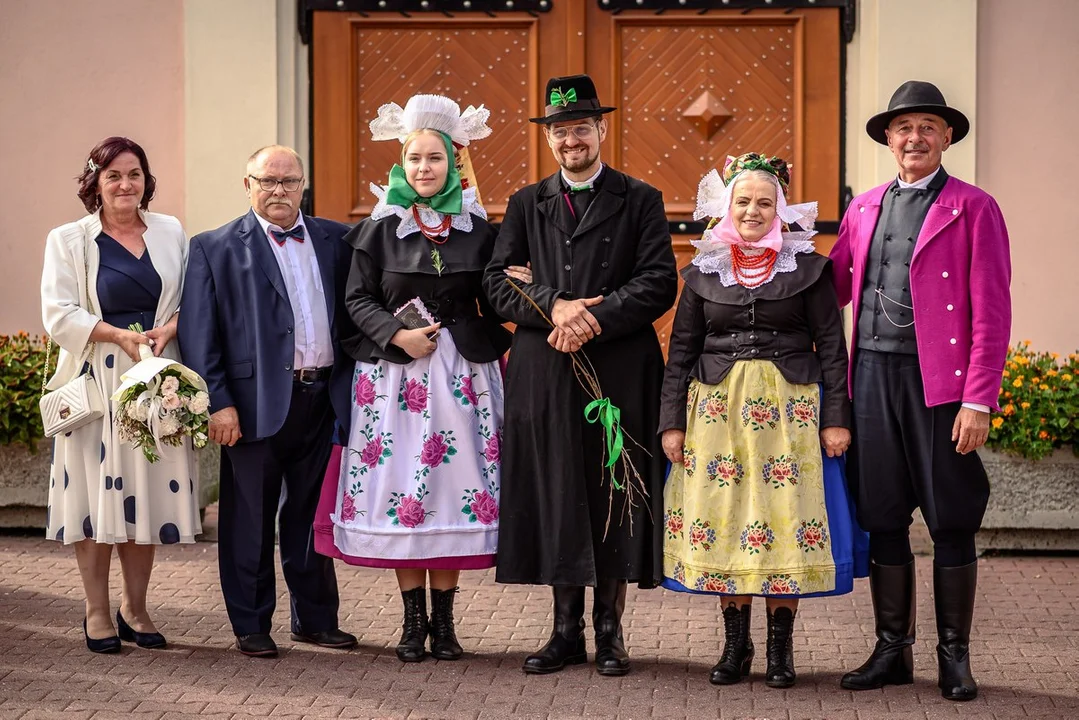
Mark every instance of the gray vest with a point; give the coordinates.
(886, 318)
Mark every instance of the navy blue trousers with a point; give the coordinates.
(269, 482)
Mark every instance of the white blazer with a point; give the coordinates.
(66, 280)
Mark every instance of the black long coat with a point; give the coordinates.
(555, 491)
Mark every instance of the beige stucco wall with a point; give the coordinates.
(71, 73)
(230, 92)
(1027, 156)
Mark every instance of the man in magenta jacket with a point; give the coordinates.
(924, 262)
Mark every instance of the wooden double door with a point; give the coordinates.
(690, 89)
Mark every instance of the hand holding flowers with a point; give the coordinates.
(161, 402)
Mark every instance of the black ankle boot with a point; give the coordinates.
(737, 655)
(954, 592)
(566, 646)
(780, 673)
(444, 645)
(413, 644)
(892, 662)
(608, 604)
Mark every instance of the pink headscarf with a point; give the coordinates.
(724, 232)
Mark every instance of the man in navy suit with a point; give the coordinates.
(260, 316)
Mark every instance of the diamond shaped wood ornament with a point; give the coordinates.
(708, 114)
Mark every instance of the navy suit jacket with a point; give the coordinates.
(235, 327)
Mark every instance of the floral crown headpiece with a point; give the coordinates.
(774, 165)
(433, 112)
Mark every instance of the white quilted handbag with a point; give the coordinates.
(78, 401)
(71, 406)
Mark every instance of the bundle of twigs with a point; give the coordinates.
(626, 478)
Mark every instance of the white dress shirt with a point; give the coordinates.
(922, 185)
(303, 282)
(918, 184)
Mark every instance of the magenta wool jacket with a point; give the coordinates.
(959, 281)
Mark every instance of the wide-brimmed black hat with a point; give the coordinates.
(571, 98)
(917, 96)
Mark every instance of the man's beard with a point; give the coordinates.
(583, 162)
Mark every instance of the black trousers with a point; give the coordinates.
(902, 456)
(252, 477)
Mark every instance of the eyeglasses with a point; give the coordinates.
(583, 132)
(269, 184)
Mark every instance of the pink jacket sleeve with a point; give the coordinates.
(990, 304)
(843, 259)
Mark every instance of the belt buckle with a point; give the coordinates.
(306, 373)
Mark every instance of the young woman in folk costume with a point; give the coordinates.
(417, 486)
(755, 386)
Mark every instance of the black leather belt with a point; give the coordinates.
(309, 376)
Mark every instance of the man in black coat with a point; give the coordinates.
(603, 272)
(260, 318)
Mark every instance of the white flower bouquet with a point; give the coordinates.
(161, 402)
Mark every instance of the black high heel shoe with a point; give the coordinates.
(104, 645)
(149, 641)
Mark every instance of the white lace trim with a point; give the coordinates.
(716, 260)
(714, 201)
(434, 112)
(431, 218)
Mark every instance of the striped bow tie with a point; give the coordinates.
(280, 236)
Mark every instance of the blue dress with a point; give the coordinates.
(100, 487)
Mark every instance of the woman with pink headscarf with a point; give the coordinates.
(755, 418)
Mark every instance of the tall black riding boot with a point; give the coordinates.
(892, 662)
(953, 592)
(566, 646)
(608, 604)
(737, 654)
(780, 652)
(444, 645)
(413, 644)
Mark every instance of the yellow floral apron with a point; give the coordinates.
(744, 514)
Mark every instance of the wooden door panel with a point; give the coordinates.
(745, 71)
(459, 62)
(362, 62)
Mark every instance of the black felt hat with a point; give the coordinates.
(571, 98)
(916, 96)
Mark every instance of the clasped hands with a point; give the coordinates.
(574, 324)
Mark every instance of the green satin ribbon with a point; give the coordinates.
(446, 201)
(609, 416)
(563, 99)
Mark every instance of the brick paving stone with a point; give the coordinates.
(1023, 651)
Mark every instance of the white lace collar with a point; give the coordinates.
(431, 218)
(717, 260)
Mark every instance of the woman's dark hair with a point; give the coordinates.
(100, 158)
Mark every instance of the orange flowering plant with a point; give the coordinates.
(1039, 400)
(22, 358)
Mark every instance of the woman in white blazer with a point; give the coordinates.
(114, 267)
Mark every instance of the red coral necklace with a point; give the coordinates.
(434, 234)
(752, 270)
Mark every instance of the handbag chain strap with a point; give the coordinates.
(90, 307)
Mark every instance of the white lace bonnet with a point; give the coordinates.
(433, 112)
(714, 201)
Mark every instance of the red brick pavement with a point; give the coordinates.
(1024, 653)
